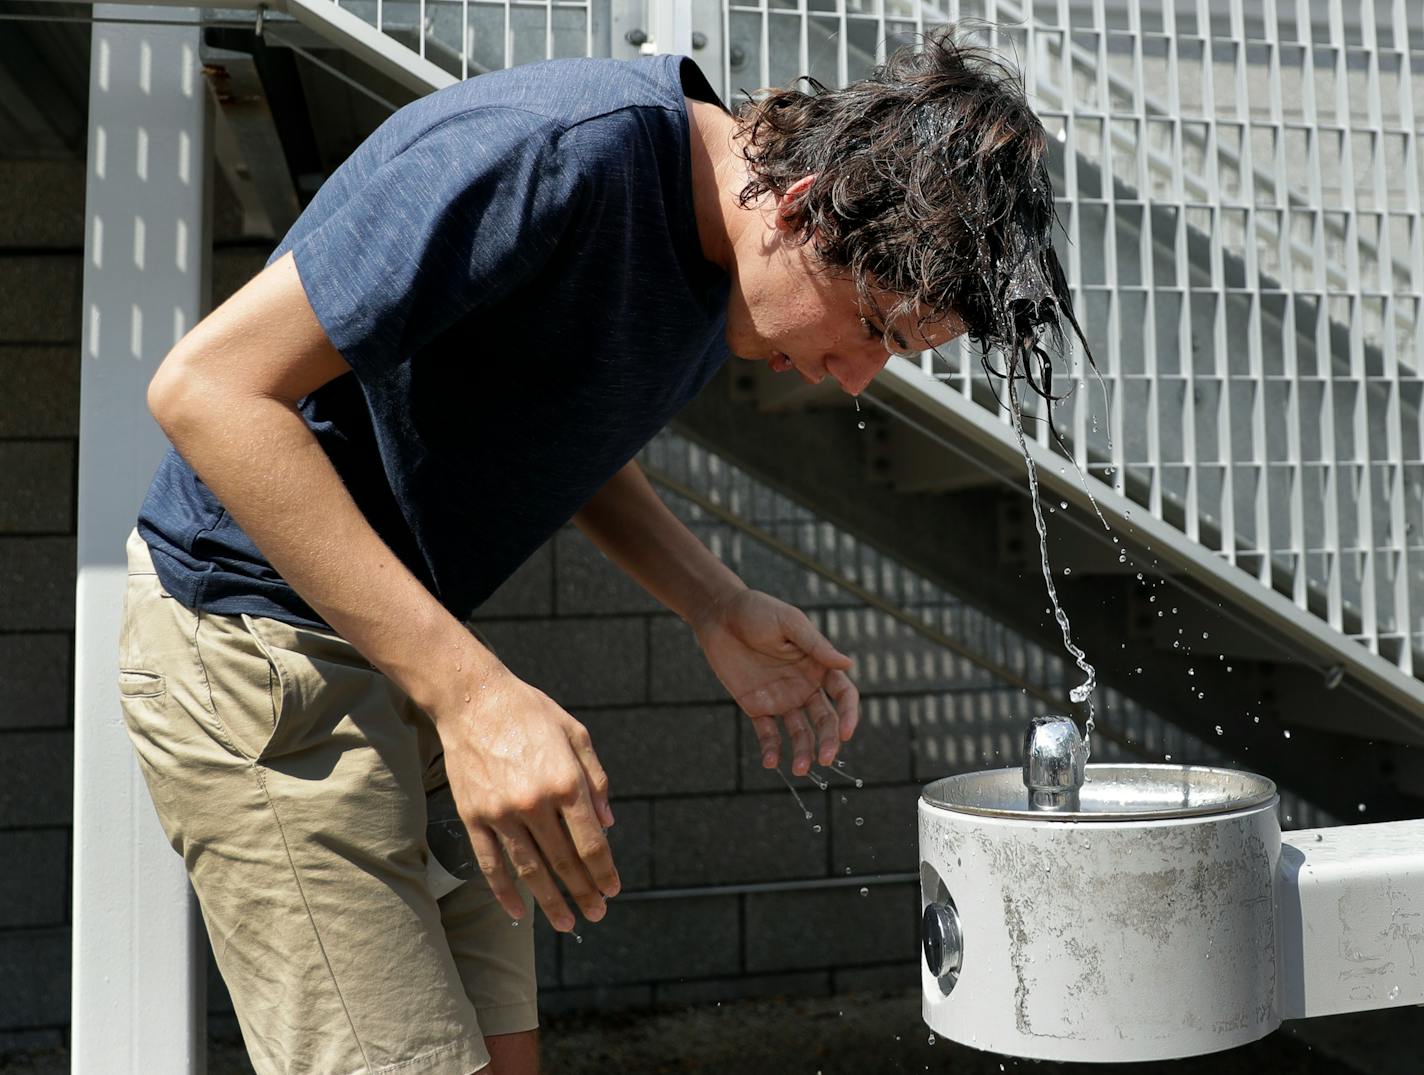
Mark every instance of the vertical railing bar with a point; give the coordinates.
(1416, 246)
(1074, 267)
(1299, 541)
(1246, 186)
(1226, 500)
(842, 50)
(803, 21)
(1182, 268)
(420, 29)
(1110, 232)
(1396, 549)
(765, 58)
(1147, 257)
(1324, 356)
(1360, 465)
(464, 39)
(508, 35)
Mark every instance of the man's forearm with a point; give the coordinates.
(630, 525)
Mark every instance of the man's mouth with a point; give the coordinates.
(779, 362)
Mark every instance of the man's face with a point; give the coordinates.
(786, 310)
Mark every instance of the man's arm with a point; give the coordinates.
(520, 768)
(630, 525)
(767, 653)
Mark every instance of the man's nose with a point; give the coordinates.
(854, 377)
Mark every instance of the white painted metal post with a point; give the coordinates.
(138, 968)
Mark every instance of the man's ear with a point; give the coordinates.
(788, 205)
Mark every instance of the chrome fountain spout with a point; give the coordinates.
(1054, 757)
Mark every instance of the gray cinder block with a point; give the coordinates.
(587, 583)
(581, 662)
(37, 787)
(35, 675)
(666, 750)
(680, 672)
(44, 203)
(36, 583)
(34, 978)
(34, 883)
(39, 298)
(831, 928)
(875, 830)
(727, 839)
(37, 480)
(652, 940)
(39, 391)
(528, 592)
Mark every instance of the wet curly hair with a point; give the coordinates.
(931, 184)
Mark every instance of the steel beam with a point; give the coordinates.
(138, 962)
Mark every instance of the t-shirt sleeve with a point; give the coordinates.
(449, 224)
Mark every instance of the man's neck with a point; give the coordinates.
(718, 174)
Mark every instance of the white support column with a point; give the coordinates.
(138, 973)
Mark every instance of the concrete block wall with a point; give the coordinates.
(41, 253)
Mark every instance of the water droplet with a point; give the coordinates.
(1361, 808)
(1205, 635)
(858, 783)
(864, 891)
(1394, 993)
(467, 697)
(815, 828)
(1191, 671)
(1219, 731)
(1152, 598)
(932, 1039)
(859, 822)
(1122, 557)
(577, 938)
(1067, 571)
(847, 871)
(1256, 720)
(1063, 504)
(859, 425)
(1287, 733)
(1167, 757)
(808, 815)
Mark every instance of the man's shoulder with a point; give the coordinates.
(556, 94)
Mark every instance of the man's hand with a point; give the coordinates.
(775, 663)
(528, 784)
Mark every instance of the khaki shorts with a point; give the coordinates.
(304, 792)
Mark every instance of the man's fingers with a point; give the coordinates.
(803, 632)
(846, 698)
(529, 867)
(799, 731)
(564, 863)
(594, 775)
(769, 740)
(591, 847)
(491, 860)
(823, 717)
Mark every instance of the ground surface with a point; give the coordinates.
(873, 1034)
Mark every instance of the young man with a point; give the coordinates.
(480, 319)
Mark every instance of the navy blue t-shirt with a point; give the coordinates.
(511, 267)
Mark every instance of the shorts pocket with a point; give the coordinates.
(139, 683)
